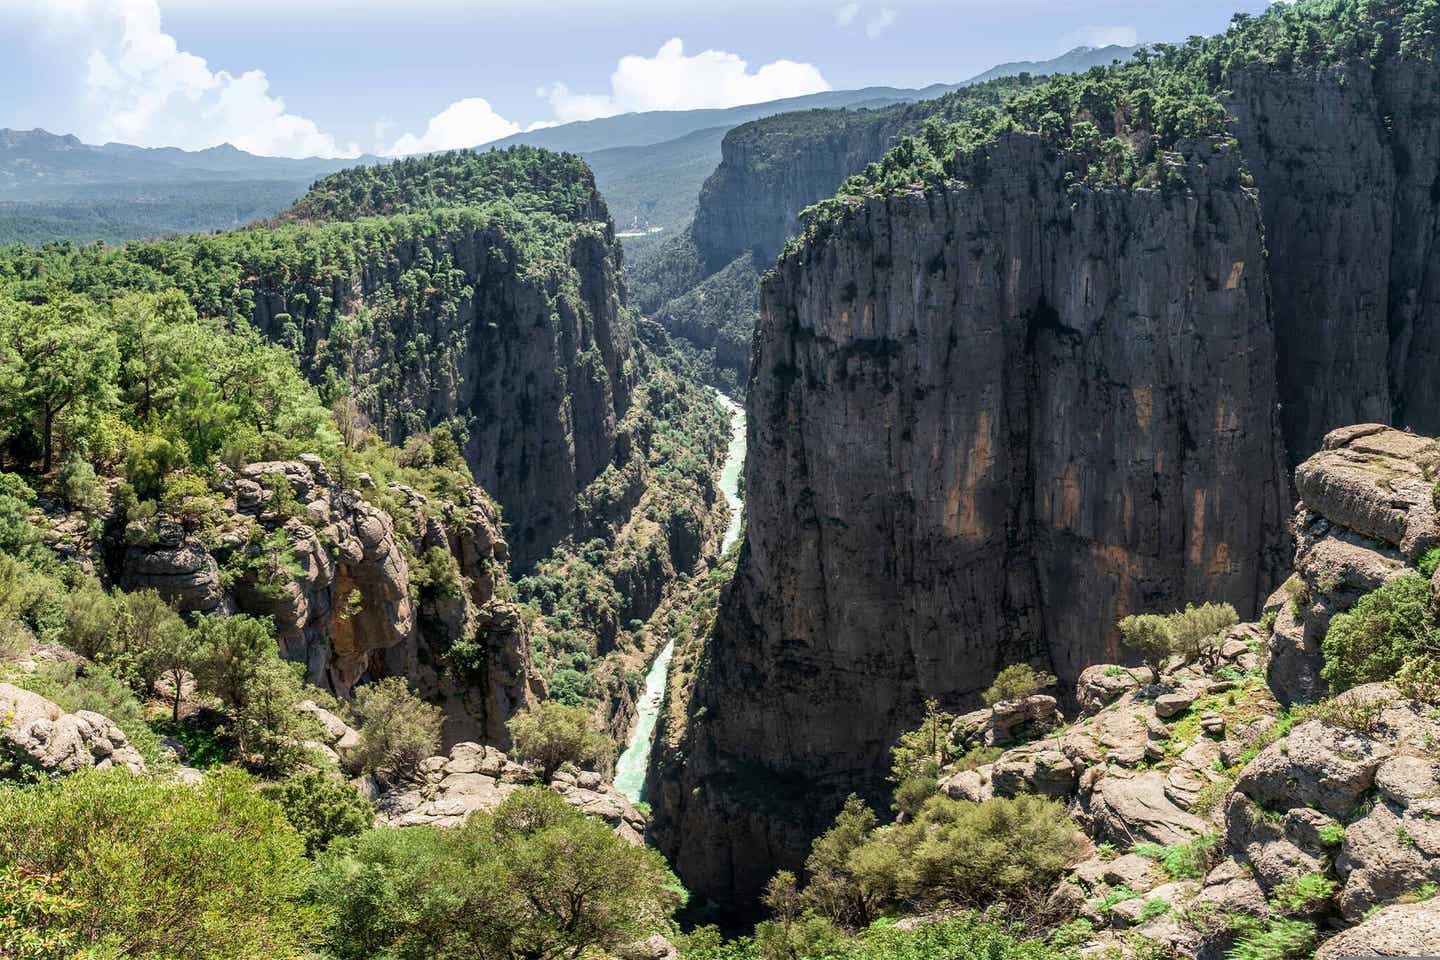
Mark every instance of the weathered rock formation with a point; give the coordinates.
(477, 778)
(771, 169)
(37, 735)
(1366, 512)
(985, 423)
(1347, 164)
(462, 322)
(334, 576)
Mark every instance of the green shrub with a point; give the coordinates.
(1428, 561)
(36, 917)
(1273, 939)
(157, 869)
(80, 488)
(322, 808)
(550, 734)
(911, 795)
(534, 879)
(1386, 627)
(952, 852)
(206, 745)
(926, 749)
(1419, 678)
(1016, 682)
(1306, 893)
(1183, 861)
(397, 728)
(1112, 897)
(1193, 634)
(1360, 714)
(973, 853)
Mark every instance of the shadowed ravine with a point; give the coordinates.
(630, 771)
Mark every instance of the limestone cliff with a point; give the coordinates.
(985, 422)
(1347, 163)
(772, 169)
(452, 323)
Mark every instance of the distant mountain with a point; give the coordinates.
(659, 126)
(648, 165)
(37, 165)
(652, 188)
(1074, 61)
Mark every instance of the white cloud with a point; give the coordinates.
(670, 80)
(847, 14)
(141, 88)
(1103, 36)
(465, 123)
(879, 23)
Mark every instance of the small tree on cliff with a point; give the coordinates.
(552, 734)
(398, 729)
(1192, 634)
(1016, 682)
(922, 752)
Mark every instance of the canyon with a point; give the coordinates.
(990, 418)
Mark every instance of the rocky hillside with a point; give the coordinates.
(1220, 816)
(1022, 380)
(479, 290)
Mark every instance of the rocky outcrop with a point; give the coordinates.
(986, 422)
(1405, 930)
(36, 735)
(1366, 512)
(332, 571)
(478, 778)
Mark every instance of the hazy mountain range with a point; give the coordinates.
(649, 167)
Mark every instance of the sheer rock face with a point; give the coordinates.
(985, 423)
(1345, 164)
(534, 360)
(752, 202)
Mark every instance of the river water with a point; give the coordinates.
(630, 771)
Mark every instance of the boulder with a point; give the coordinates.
(1130, 806)
(972, 785)
(475, 777)
(1376, 481)
(36, 733)
(1014, 720)
(1411, 929)
(1038, 768)
(1175, 702)
(1317, 764)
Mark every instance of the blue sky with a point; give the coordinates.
(304, 77)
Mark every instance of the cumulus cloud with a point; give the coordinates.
(671, 80)
(141, 88)
(879, 23)
(1103, 36)
(465, 123)
(876, 24)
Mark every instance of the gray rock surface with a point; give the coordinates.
(1405, 930)
(37, 734)
(475, 777)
